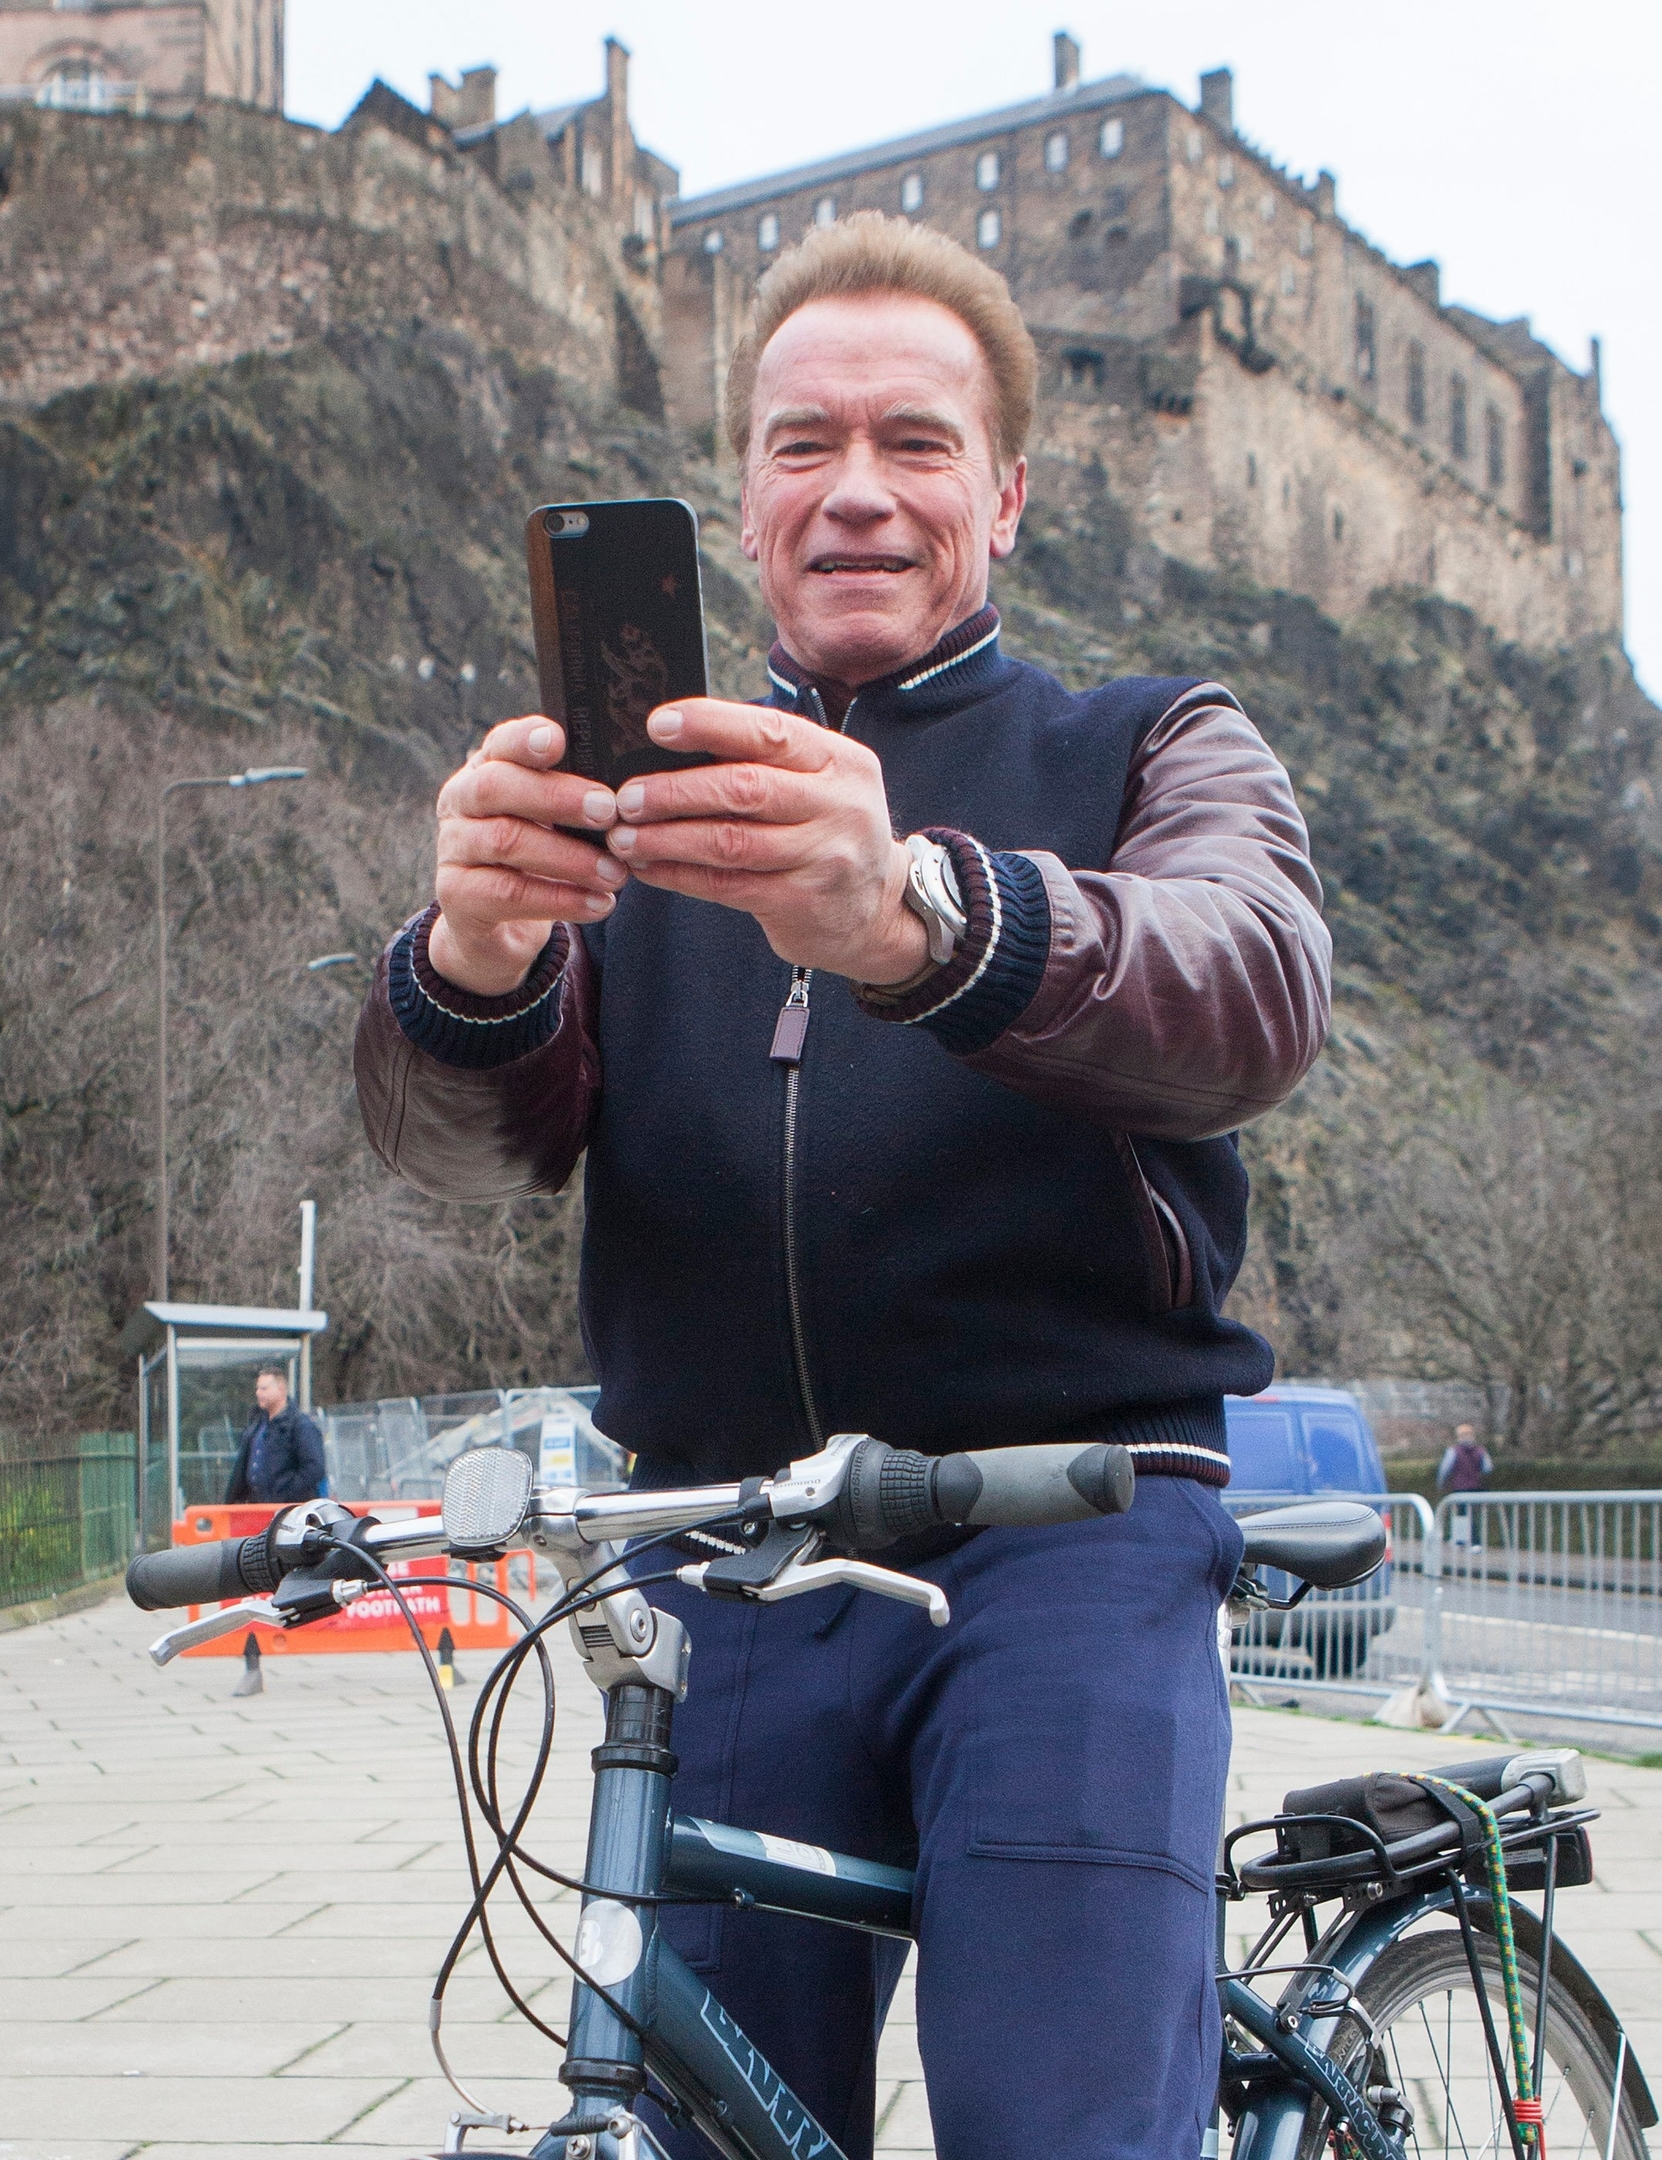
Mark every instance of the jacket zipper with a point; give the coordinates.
(790, 1036)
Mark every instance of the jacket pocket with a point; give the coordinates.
(1165, 1248)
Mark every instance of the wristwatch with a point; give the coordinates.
(933, 896)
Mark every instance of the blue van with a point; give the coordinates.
(1302, 1440)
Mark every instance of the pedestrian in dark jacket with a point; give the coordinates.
(1464, 1465)
(907, 1041)
(280, 1453)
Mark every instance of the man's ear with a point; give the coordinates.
(1012, 500)
(747, 528)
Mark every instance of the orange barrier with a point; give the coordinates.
(372, 1622)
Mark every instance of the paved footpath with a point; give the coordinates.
(219, 1919)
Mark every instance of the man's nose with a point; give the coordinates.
(859, 493)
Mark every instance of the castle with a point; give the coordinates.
(1261, 391)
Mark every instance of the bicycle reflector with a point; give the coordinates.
(485, 1496)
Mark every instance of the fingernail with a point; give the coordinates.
(664, 726)
(630, 799)
(599, 903)
(597, 806)
(614, 873)
(540, 738)
(622, 838)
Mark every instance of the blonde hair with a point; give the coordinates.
(871, 253)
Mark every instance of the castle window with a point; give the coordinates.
(767, 232)
(1289, 280)
(1195, 149)
(1459, 438)
(825, 210)
(1252, 470)
(594, 170)
(646, 223)
(1082, 369)
(1494, 437)
(1416, 382)
(1365, 347)
(713, 241)
(911, 193)
(1056, 151)
(1210, 217)
(988, 228)
(1112, 138)
(1338, 524)
(986, 171)
(1307, 239)
(1266, 207)
(1226, 172)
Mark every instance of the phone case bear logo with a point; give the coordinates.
(637, 682)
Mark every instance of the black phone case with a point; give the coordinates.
(619, 624)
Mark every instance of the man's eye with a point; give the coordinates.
(805, 446)
(923, 446)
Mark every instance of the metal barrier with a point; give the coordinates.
(66, 1519)
(1536, 1604)
(1552, 1605)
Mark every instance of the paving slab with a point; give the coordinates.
(244, 1901)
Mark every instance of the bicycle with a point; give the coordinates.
(1335, 2063)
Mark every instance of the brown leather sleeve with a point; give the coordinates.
(1188, 987)
(497, 1134)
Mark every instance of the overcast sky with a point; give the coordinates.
(1514, 143)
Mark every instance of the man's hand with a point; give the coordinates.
(793, 827)
(504, 878)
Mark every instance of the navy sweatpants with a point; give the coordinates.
(1053, 1765)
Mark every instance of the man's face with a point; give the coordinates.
(872, 499)
(271, 1393)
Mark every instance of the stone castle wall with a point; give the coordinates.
(136, 246)
(1268, 394)
(158, 56)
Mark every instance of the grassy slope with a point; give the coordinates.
(318, 558)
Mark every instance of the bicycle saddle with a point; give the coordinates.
(1328, 1543)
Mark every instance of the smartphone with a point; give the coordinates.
(619, 624)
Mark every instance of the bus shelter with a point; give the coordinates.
(196, 1370)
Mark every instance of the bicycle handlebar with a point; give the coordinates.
(224, 1569)
(892, 1493)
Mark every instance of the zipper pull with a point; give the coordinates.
(790, 1030)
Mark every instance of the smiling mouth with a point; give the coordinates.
(858, 565)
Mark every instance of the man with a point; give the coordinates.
(1463, 1469)
(941, 1164)
(280, 1454)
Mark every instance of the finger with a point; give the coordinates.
(717, 844)
(515, 844)
(532, 740)
(743, 733)
(495, 894)
(775, 794)
(496, 788)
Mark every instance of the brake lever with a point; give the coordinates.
(319, 1601)
(797, 1575)
(253, 1612)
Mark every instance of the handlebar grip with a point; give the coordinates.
(223, 1569)
(893, 1493)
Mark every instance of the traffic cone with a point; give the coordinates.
(253, 1679)
(448, 1675)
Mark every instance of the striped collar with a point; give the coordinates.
(963, 665)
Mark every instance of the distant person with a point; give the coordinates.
(1462, 1470)
(280, 1454)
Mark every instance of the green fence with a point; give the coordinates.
(68, 1519)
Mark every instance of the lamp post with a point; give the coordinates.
(256, 776)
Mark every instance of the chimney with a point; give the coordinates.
(1066, 50)
(1326, 192)
(1427, 280)
(1217, 99)
(473, 105)
(617, 117)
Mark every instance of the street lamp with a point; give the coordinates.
(255, 776)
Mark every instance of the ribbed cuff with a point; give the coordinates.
(1000, 962)
(458, 1028)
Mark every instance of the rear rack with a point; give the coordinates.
(1428, 1852)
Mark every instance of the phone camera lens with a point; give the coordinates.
(554, 522)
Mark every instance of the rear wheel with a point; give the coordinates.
(1429, 2044)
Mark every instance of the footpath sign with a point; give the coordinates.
(373, 1622)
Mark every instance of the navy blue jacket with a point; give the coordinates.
(296, 1457)
(974, 1266)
